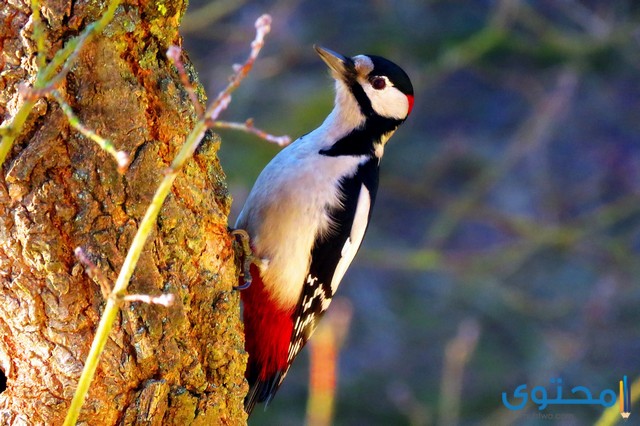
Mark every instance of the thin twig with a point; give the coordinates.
(121, 157)
(220, 105)
(105, 286)
(248, 127)
(263, 26)
(146, 225)
(45, 84)
(458, 352)
(94, 272)
(38, 33)
(49, 77)
(165, 300)
(173, 53)
(213, 111)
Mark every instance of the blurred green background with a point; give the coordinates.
(503, 248)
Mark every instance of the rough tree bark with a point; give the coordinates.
(178, 365)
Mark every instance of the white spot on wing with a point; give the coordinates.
(355, 238)
(304, 325)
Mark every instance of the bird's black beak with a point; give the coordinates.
(341, 66)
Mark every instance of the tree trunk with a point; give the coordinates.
(182, 364)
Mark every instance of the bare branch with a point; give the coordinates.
(165, 300)
(263, 26)
(458, 352)
(94, 272)
(47, 79)
(173, 53)
(220, 105)
(248, 127)
(121, 157)
(38, 33)
(45, 83)
(105, 286)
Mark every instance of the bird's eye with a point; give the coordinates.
(378, 83)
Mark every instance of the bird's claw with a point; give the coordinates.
(248, 257)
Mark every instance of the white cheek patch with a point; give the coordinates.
(388, 102)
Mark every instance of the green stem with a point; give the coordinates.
(48, 76)
(13, 129)
(120, 157)
(38, 33)
(113, 303)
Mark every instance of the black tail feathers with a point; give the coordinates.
(262, 391)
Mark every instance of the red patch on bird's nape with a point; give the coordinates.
(268, 328)
(410, 99)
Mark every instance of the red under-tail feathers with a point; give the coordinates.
(268, 330)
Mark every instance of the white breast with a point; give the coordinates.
(287, 209)
(287, 206)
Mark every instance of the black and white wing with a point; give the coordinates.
(332, 253)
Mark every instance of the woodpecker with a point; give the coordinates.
(308, 212)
